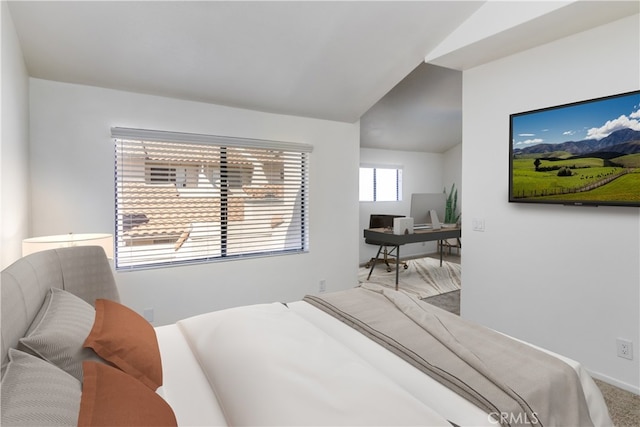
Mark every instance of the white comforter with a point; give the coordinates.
(269, 366)
(273, 365)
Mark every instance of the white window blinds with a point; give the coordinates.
(188, 198)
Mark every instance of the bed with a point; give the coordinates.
(344, 358)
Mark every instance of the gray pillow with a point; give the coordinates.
(36, 393)
(59, 330)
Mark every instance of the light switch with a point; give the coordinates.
(478, 224)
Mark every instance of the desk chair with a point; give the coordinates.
(383, 221)
(450, 244)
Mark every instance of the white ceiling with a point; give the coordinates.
(329, 60)
(422, 113)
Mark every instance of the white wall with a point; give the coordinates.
(14, 150)
(452, 173)
(72, 160)
(566, 278)
(422, 173)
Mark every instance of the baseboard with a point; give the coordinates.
(614, 382)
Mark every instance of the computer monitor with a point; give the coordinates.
(422, 203)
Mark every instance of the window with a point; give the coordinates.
(167, 173)
(379, 184)
(183, 198)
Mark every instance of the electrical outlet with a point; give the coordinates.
(625, 348)
(322, 286)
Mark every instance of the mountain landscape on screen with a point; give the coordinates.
(620, 142)
(581, 153)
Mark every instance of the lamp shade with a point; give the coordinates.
(37, 244)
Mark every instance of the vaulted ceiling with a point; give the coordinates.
(329, 60)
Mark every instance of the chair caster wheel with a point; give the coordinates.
(406, 266)
(367, 265)
(388, 269)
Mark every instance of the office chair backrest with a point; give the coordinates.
(382, 221)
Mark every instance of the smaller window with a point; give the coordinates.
(167, 173)
(157, 174)
(380, 184)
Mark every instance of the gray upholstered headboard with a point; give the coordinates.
(83, 271)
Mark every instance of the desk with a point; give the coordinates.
(387, 238)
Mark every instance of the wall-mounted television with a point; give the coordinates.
(583, 153)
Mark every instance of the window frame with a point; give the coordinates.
(289, 189)
(375, 184)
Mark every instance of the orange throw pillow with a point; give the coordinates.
(110, 397)
(124, 338)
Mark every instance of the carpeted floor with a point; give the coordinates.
(449, 301)
(624, 407)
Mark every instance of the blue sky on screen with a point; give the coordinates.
(591, 120)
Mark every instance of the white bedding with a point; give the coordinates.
(185, 387)
(269, 366)
(273, 365)
(449, 404)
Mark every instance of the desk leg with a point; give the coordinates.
(374, 262)
(441, 251)
(397, 265)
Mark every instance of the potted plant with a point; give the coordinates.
(450, 216)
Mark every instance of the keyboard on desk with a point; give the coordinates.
(422, 227)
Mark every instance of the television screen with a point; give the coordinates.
(583, 153)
